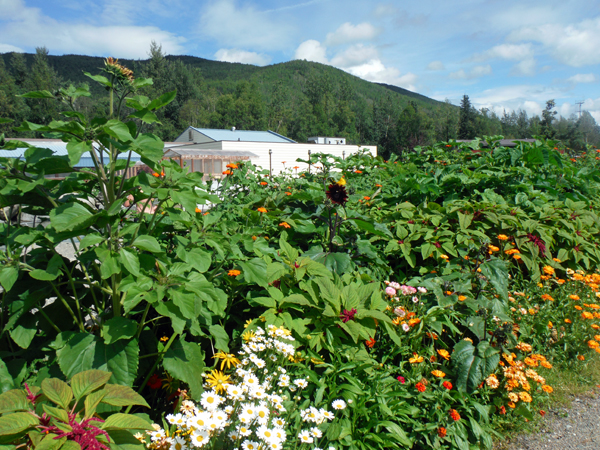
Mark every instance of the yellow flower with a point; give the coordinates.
(493, 248)
(548, 270)
(164, 339)
(547, 389)
(217, 380)
(342, 182)
(227, 358)
(248, 335)
(415, 359)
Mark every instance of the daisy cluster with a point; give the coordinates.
(249, 414)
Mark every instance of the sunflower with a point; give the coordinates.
(337, 194)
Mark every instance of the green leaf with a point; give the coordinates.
(198, 259)
(37, 94)
(71, 445)
(118, 395)
(255, 271)
(70, 216)
(6, 381)
(496, 271)
(92, 401)
(50, 442)
(523, 411)
(397, 432)
(14, 400)
(57, 391)
(148, 243)
(221, 337)
(163, 100)
(125, 422)
(8, 277)
(118, 328)
(99, 78)
(130, 261)
(85, 382)
(52, 269)
(184, 361)
(149, 146)
(472, 364)
(17, 422)
(117, 130)
(57, 413)
(84, 351)
(76, 149)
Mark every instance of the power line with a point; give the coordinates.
(579, 103)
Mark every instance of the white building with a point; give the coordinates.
(266, 149)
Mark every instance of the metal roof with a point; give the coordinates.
(58, 147)
(209, 154)
(242, 135)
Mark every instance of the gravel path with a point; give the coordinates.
(573, 428)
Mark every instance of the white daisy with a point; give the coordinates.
(338, 404)
(251, 380)
(178, 443)
(199, 438)
(278, 422)
(262, 415)
(301, 383)
(305, 437)
(250, 445)
(248, 409)
(266, 434)
(243, 430)
(316, 432)
(326, 414)
(210, 400)
(199, 421)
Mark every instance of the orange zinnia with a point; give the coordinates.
(227, 172)
(261, 209)
(455, 415)
(285, 225)
(233, 273)
(370, 343)
(444, 354)
(438, 373)
(263, 183)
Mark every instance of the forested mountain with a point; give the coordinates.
(297, 99)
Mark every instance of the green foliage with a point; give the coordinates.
(59, 416)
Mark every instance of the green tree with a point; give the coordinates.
(42, 77)
(548, 116)
(466, 121)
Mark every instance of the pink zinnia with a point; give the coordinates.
(390, 291)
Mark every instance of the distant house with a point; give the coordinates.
(267, 149)
(59, 148)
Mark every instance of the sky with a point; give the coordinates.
(505, 55)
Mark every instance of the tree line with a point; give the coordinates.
(297, 99)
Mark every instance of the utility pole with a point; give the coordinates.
(579, 103)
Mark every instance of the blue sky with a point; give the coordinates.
(503, 54)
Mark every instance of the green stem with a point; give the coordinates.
(64, 302)
(52, 324)
(151, 371)
(141, 327)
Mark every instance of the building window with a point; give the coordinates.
(190, 135)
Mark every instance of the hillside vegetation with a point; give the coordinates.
(297, 99)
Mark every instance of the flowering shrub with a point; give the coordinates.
(259, 408)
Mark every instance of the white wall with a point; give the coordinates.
(288, 152)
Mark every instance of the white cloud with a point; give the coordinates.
(525, 67)
(243, 26)
(376, 72)
(515, 52)
(354, 55)
(348, 33)
(7, 48)
(583, 78)
(435, 65)
(242, 56)
(575, 45)
(28, 27)
(476, 72)
(312, 50)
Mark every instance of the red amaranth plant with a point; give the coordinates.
(537, 241)
(82, 432)
(346, 315)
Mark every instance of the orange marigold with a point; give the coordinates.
(581, 357)
(444, 354)
(455, 415)
(512, 405)
(574, 297)
(525, 397)
(547, 297)
(548, 270)
(547, 389)
(593, 344)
